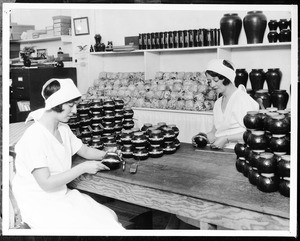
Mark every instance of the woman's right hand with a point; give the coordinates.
(92, 167)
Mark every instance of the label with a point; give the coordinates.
(20, 79)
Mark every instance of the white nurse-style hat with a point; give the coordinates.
(217, 66)
(67, 92)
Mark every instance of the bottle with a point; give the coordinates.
(60, 51)
(91, 48)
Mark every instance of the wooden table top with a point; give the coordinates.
(202, 174)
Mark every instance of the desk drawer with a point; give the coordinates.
(20, 86)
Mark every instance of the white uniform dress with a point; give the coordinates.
(61, 208)
(230, 121)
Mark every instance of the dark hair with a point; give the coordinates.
(50, 89)
(226, 81)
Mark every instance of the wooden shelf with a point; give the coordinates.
(63, 38)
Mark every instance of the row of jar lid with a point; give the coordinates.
(119, 113)
(106, 103)
(132, 135)
(275, 122)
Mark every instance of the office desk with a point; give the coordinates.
(198, 184)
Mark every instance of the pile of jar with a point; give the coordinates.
(99, 122)
(264, 156)
(180, 39)
(284, 34)
(150, 141)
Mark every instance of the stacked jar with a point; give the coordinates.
(284, 34)
(180, 39)
(266, 140)
(83, 114)
(96, 110)
(139, 146)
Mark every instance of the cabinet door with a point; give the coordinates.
(20, 84)
(38, 77)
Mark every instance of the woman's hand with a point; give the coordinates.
(219, 143)
(211, 137)
(92, 167)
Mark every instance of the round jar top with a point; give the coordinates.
(266, 155)
(252, 112)
(257, 133)
(286, 157)
(278, 117)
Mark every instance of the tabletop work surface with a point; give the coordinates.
(202, 174)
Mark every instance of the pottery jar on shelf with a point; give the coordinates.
(257, 140)
(264, 96)
(279, 99)
(283, 24)
(273, 79)
(273, 25)
(273, 36)
(257, 79)
(241, 77)
(285, 35)
(268, 182)
(284, 166)
(255, 23)
(230, 25)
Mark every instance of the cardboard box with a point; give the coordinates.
(58, 32)
(61, 19)
(21, 28)
(61, 25)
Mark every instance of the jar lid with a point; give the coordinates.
(252, 112)
(266, 155)
(278, 117)
(286, 157)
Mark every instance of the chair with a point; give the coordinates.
(15, 219)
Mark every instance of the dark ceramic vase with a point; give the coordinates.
(284, 166)
(252, 120)
(247, 168)
(239, 164)
(97, 46)
(156, 151)
(241, 77)
(140, 154)
(283, 24)
(246, 135)
(273, 78)
(257, 79)
(126, 151)
(200, 140)
(169, 148)
(279, 99)
(255, 23)
(27, 62)
(257, 140)
(279, 125)
(279, 144)
(239, 149)
(267, 163)
(268, 183)
(273, 25)
(253, 176)
(139, 139)
(59, 64)
(156, 137)
(268, 119)
(253, 157)
(273, 36)
(285, 35)
(264, 96)
(112, 160)
(230, 25)
(284, 187)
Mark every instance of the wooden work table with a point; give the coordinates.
(199, 184)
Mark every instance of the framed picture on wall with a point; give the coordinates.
(81, 26)
(41, 53)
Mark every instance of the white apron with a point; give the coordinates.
(61, 208)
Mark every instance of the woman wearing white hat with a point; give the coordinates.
(43, 167)
(230, 109)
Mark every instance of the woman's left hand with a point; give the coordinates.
(219, 143)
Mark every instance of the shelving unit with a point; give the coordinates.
(150, 61)
(62, 38)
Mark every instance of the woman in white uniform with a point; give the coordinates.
(230, 109)
(44, 167)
